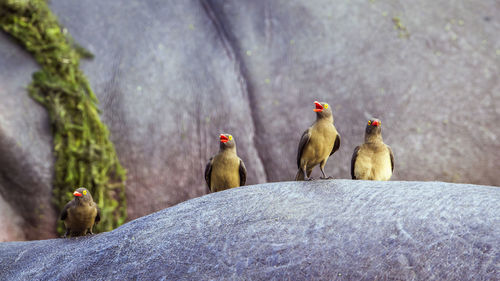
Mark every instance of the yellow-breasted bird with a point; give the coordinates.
(225, 170)
(317, 143)
(373, 160)
(80, 214)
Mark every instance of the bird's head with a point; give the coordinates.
(374, 127)
(82, 194)
(322, 109)
(226, 141)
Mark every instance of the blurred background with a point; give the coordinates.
(172, 75)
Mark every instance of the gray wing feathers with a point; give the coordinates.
(353, 161)
(208, 172)
(243, 173)
(98, 216)
(302, 144)
(64, 213)
(336, 145)
(392, 157)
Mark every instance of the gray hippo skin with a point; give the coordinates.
(322, 230)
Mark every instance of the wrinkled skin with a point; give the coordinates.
(171, 76)
(319, 230)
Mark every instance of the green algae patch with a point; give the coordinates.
(403, 32)
(84, 154)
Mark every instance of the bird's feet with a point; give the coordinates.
(310, 179)
(326, 178)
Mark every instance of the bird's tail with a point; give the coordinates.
(300, 175)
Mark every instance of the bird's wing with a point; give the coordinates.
(336, 146)
(98, 215)
(243, 173)
(353, 161)
(392, 157)
(208, 172)
(64, 213)
(302, 144)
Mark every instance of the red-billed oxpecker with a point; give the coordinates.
(317, 143)
(80, 214)
(225, 170)
(373, 160)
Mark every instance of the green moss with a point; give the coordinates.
(403, 32)
(84, 154)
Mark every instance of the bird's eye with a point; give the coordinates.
(230, 137)
(369, 122)
(84, 192)
(326, 106)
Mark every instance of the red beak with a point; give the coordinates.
(78, 194)
(223, 138)
(318, 108)
(376, 123)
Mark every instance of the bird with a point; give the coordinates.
(317, 143)
(225, 170)
(373, 160)
(80, 214)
